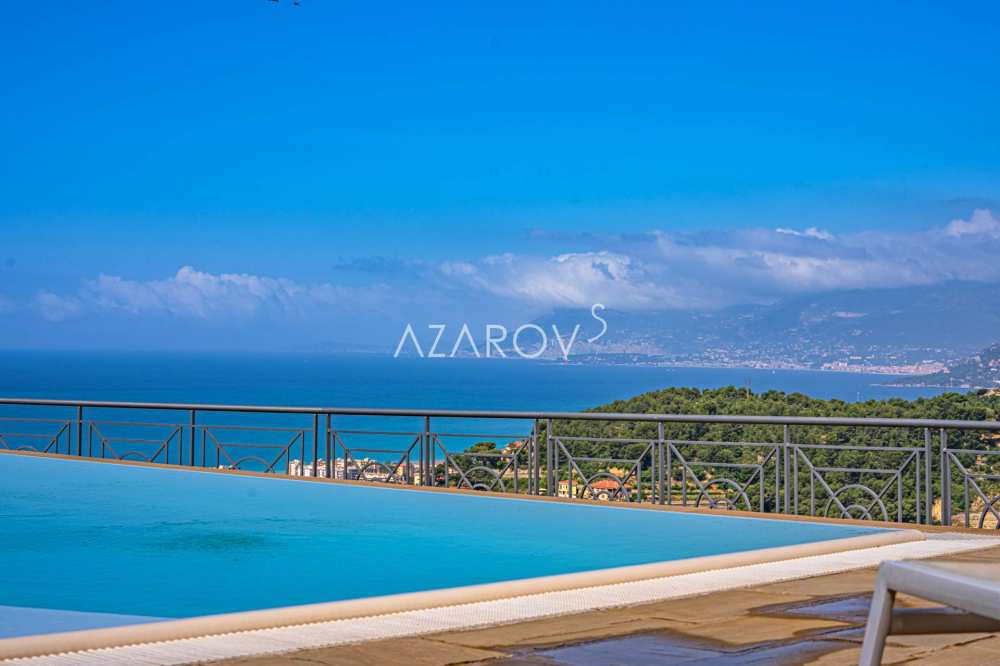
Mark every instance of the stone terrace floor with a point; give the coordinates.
(809, 621)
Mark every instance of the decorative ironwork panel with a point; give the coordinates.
(38, 435)
(365, 462)
(979, 473)
(252, 448)
(132, 440)
(500, 470)
(722, 475)
(604, 468)
(882, 483)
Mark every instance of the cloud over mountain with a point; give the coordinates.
(706, 269)
(659, 270)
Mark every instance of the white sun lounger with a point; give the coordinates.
(972, 587)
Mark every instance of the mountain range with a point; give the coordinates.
(881, 329)
(979, 371)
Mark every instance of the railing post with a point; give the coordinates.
(425, 456)
(302, 455)
(928, 481)
(549, 456)
(795, 487)
(533, 460)
(945, 480)
(965, 498)
(432, 444)
(786, 472)
(331, 462)
(315, 445)
(528, 445)
(668, 445)
(194, 421)
(659, 462)
(79, 431)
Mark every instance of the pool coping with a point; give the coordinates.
(172, 630)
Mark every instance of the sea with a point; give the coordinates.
(370, 380)
(381, 381)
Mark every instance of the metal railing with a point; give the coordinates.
(861, 468)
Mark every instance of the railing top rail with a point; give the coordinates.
(475, 434)
(498, 414)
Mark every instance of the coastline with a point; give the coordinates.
(854, 370)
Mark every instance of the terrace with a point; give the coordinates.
(808, 472)
(815, 620)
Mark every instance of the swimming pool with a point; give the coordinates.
(137, 543)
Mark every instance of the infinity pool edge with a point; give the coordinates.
(677, 508)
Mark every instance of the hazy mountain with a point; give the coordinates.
(979, 371)
(943, 323)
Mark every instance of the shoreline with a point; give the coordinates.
(763, 368)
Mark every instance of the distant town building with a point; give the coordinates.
(602, 489)
(360, 469)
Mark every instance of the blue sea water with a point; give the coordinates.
(376, 381)
(369, 380)
(128, 540)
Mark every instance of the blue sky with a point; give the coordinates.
(358, 164)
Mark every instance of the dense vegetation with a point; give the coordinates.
(980, 405)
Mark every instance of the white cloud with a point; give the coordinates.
(982, 223)
(576, 279)
(811, 232)
(55, 308)
(756, 263)
(194, 293)
(197, 294)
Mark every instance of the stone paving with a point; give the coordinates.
(808, 621)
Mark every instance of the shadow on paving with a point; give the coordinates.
(677, 648)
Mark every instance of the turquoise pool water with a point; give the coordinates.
(132, 541)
